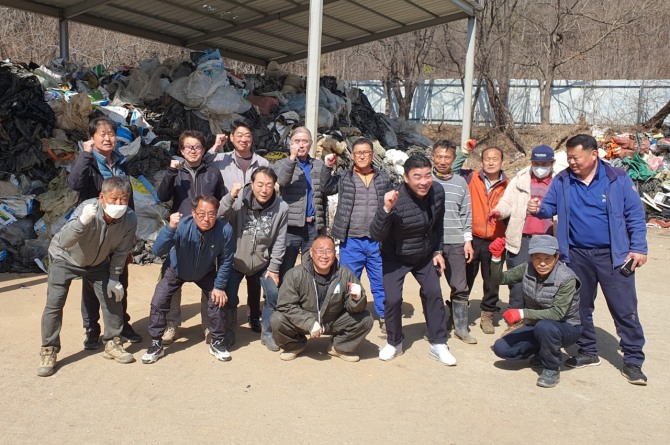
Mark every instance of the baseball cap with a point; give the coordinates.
(546, 244)
(542, 153)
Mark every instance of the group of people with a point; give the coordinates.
(235, 217)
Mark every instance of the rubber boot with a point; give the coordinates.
(266, 330)
(230, 327)
(459, 309)
(450, 320)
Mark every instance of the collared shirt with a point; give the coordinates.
(533, 225)
(589, 228)
(489, 185)
(306, 167)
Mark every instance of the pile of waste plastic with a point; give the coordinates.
(45, 111)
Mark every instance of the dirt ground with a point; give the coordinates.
(188, 396)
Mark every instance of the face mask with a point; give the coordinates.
(115, 211)
(541, 172)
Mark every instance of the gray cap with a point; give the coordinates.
(543, 244)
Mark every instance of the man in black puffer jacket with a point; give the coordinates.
(409, 226)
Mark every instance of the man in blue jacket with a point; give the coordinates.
(201, 249)
(601, 227)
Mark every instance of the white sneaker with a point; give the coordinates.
(440, 352)
(389, 352)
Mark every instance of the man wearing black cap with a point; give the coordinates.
(550, 307)
(532, 181)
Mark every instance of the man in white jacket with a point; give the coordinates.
(531, 182)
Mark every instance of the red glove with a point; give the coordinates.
(470, 144)
(497, 247)
(494, 214)
(512, 316)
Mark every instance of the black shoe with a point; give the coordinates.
(154, 352)
(634, 374)
(255, 324)
(92, 340)
(549, 378)
(582, 360)
(129, 335)
(536, 361)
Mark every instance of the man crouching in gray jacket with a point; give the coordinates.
(321, 297)
(259, 219)
(92, 245)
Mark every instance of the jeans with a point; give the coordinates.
(270, 290)
(298, 241)
(357, 253)
(545, 338)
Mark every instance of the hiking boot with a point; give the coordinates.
(114, 351)
(582, 360)
(536, 361)
(255, 324)
(291, 355)
(634, 374)
(347, 357)
(128, 334)
(549, 378)
(92, 339)
(218, 350)
(513, 327)
(486, 322)
(154, 352)
(441, 353)
(47, 361)
(171, 334)
(389, 352)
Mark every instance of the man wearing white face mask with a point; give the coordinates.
(531, 182)
(92, 245)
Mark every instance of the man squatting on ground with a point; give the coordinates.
(192, 175)
(259, 219)
(457, 240)
(92, 245)
(532, 181)
(550, 307)
(201, 248)
(361, 192)
(601, 226)
(98, 161)
(236, 167)
(320, 297)
(410, 228)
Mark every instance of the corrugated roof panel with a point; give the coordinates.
(251, 30)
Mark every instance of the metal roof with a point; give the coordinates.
(254, 31)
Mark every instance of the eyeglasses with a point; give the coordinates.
(194, 147)
(324, 252)
(362, 154)
(203, 215)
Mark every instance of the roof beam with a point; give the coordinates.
(37, 8)
(82, 7)
(252, 23)
(377, 36)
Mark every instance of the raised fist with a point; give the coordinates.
(390, 200)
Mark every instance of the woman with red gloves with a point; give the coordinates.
(550, 307)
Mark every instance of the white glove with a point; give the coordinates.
(316, 329)
(115, 289)
(88, 213)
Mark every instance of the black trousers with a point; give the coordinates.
(482, 260)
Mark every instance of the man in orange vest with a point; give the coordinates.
(486, 188)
